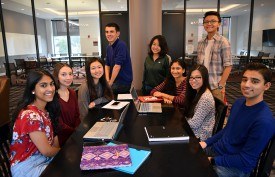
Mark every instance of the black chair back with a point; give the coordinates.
(4, 151)
(221, 110)
(260, 54)
(265, 161)
(20, 64)
(266, 54)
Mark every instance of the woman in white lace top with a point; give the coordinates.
(199, 103)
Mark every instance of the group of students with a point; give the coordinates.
(50, 111)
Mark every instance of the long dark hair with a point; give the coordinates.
(52, 107)
(191, 95)
(162, 44)
(107, 91)
(170, 83)
(56, 70)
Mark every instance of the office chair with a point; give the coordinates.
(19, 77)
(4, 151)
(4, 97)
(257, 59)
(265, 161)
(220, 114)
(44, 63)
(20, 65)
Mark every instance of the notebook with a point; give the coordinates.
(145, 107)
(101, 157)
(106, 130)
(166, 133)
(150, 99)
(138, 156)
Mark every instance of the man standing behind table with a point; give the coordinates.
(118, 68)
(235, 150)
(214, 52)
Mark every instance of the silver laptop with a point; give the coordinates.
(145, 107)
(107, 130)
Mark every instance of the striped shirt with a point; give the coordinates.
(220, 57)
(180, 92)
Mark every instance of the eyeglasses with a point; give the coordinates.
(211, 22)
(195, 78)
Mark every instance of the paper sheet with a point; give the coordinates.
(118, 106)
(126, 96)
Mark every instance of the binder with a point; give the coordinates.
(166, 133)
(138, 155)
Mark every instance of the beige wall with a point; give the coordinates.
(145, 22)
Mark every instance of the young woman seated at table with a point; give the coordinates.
(95, 90)
(69, 115)
(34, 124)
(156, 64)
(199, 103)
(172, 89)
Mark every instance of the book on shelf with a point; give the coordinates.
(150, 99)
(101, 157)
(166, 133)
(138, 156)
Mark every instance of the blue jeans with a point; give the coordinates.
(224, 171)
(31, 167)
(120, 88)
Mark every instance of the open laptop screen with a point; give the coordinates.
(135, 98)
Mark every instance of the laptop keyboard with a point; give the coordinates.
(105, 130)
(145, 107)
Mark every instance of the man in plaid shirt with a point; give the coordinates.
(214, 52)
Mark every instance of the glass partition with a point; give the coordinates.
(236, 24)
(51, 29)
(19, 29)
(263, 31)
(84, 27)
(116, 5)
(194, 22)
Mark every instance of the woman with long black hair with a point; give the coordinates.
(199, 103)
(95, 90)
(172, 89)
(34, 125)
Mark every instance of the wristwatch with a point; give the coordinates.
(212, 161)
(220, 86)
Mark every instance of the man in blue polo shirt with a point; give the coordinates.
(118, 68)
(235, 150)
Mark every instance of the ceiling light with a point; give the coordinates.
(118, 0)
(262, 4)
(72, 13)
(2, 3)
(22, 9)
(245, 10)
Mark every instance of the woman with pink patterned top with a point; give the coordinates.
(172, 90)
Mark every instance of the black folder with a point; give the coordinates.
(166, 133)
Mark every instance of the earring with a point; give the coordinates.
(33, 92)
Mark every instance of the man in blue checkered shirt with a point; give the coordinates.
(214, 52)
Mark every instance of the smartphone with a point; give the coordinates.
(115, 103)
